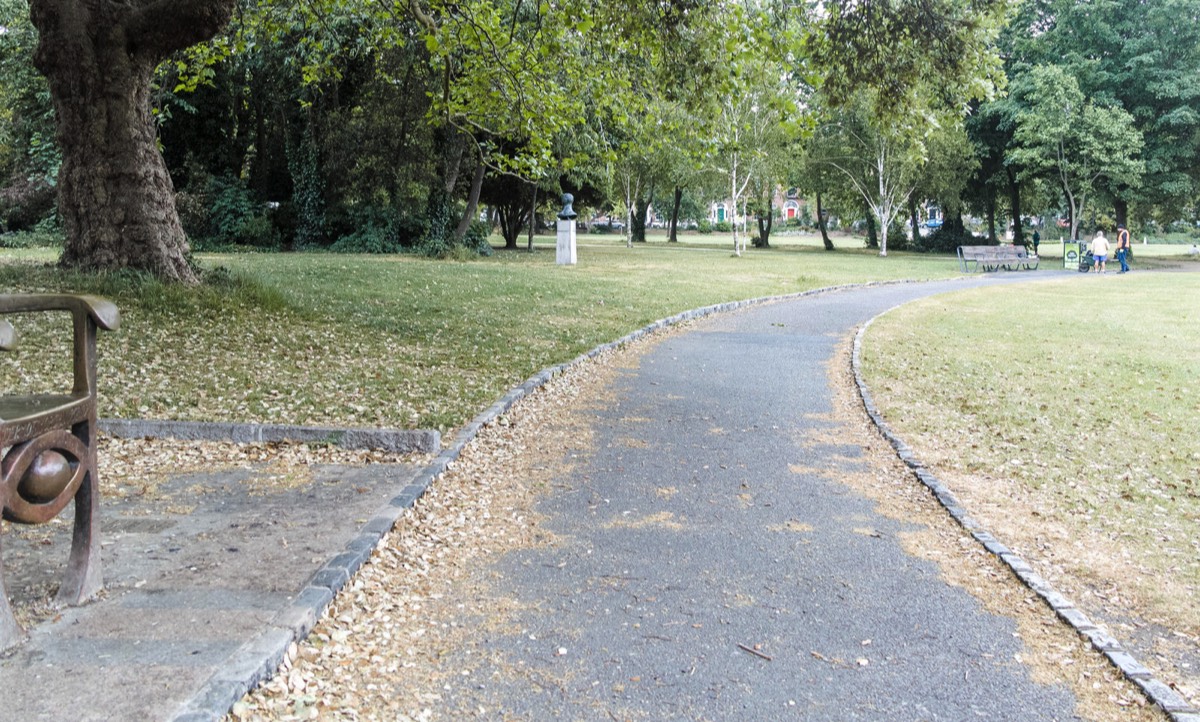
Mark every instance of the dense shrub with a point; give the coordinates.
(946, 240)
(374, 229)
(897, 236)
(704, 226)
(259, 232)
(230, 207)
(192, 207)
(477, 238)
(723, 227)
(220, 212)
(25, 204)
(438, 235)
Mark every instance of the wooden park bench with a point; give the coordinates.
(49, 449)
(994, 258)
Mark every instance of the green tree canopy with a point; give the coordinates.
(1062, 135)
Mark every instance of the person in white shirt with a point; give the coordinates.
(1099, 251)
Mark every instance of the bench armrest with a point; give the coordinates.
(103, 312)
(87, 312)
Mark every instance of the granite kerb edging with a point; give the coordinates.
(419, 441)
(1156, 691)
(220, 693)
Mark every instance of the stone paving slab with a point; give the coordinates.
(192, 578)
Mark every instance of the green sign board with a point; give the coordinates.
(1072, 254)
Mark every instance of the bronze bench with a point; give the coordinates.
(49, 447)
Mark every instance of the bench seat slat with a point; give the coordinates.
(21, 415)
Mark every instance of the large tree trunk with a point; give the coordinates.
(115, 196)
(512, 219)
(764, 224)
(1073, 209)
(1121, 209)
(1014, 200)
(674, 237)
(464, 224)
(532, 217)
(821, 224)
(637, 222)
(953, 226)
(991, 219)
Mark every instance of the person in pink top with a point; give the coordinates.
(1099, 251)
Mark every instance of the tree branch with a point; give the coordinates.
(157, 29)
(422, 17)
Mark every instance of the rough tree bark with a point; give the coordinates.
(115, 196)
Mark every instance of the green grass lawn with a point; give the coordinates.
(1069, 413)
(400, 341)
(1066, 410)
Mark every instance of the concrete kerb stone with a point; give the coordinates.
(301, 616)
(331, 578)
(216, 695)
(1155, 690)
(969, 523)
(1132, 668)
(421, 441)
(1165, 697)
(246, 668)
(220, 693)
(1076, 619)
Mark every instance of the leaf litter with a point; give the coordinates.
(383, 649)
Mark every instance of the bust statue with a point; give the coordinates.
(567, 213)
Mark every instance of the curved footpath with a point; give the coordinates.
(709, 565)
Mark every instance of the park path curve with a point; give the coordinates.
(709, 565)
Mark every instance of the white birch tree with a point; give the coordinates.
(880, 160)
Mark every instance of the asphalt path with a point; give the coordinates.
(701, 573)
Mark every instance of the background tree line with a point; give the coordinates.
(381, 127)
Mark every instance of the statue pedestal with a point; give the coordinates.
(565, 252)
